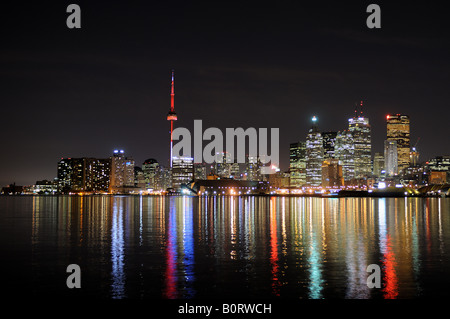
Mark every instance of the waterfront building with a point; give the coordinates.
(229, 187)
(413, 157)
(344, 152)
(235, 171)
(332, 174)
(390, 158)
(314, 155)
(83, 175)
(297, 164)
(150, 169)
(182, 171)
(360, 129)
(439, 168)
(253, 168)
(378, 164)
(398, 130)
(122, 172)
(329, 143)
(222, 164)
(199, 171)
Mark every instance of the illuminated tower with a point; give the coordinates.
(314, 155)
(398, 131)
(360, 130)
(171, 116)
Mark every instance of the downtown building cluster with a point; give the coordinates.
(343, 159)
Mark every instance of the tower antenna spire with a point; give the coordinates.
(172, 116)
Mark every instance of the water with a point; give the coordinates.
(219, 247)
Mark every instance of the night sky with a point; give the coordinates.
(84, 92)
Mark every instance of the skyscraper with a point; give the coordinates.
(329, 144)
(150, 169)
(398, 130)
(122, 172)
(297, 164)
(360, 129)
(344, 152)
(314, 155)
(390, 158)
(222, 164)
(253, 168)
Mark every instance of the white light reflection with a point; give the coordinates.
(117, 251)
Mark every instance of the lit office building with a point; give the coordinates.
(182, 171)
(235, 171)
(122, 172)
(378, 164)
(297, 164)
(398, 130)
(222, 164)
(332, 174)
(344, 152)
(150, 169)
(163, 178)
(390, 158)
(360, 129)
(314, 155)
(439, 168)
(83, 175)
(414, 157)
(329, 144)
(199, 171)
(253, 168)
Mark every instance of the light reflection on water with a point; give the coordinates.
(188, 247)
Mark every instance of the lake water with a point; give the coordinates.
(221, 247)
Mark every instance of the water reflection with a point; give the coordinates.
(117, 250)
(187, 247)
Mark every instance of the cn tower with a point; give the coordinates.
(171, 116)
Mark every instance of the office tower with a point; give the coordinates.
(139, 179)
(182, 171)
(329, 144)
(97, 173)
(332, 174)
(414, 157)
(122, 172)
(222, 164)
(390, 158)
(83, 175)
(150, 169)
(64, 174)
(297, 164)
(163, 178)
(378, 164)
(253, 168)
(344, 152)
(314, 155)
(360, 129)
(199, 171)
(236, 170)
(398, 129)
(129, 172)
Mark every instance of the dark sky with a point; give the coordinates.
(83, 92)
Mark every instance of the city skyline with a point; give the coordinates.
(83, 93)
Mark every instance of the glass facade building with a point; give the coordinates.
(398, 130)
